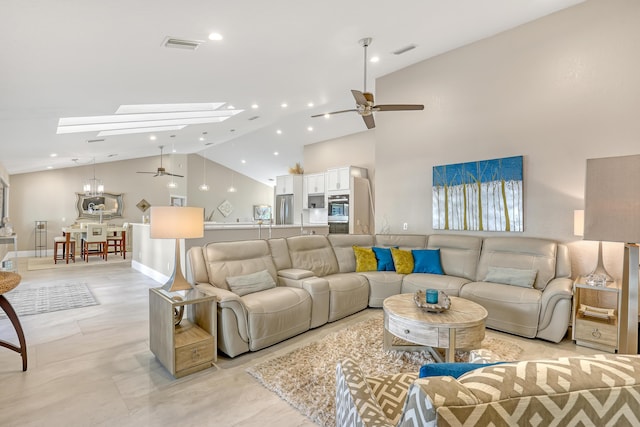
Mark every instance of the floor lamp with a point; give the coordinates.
(612, 213)
(174, 222)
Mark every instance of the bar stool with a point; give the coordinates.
(117, 241)
(8, 281)
(62, 240)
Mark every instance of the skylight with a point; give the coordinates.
(142, 118)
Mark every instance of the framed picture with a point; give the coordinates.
(479, 196)
(261, 212)
(178, 201)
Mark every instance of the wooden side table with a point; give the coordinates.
(190, 346)
(595, 315)
(8, 281)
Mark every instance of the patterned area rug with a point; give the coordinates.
(305, 378)
(45, 263)
(47, 299)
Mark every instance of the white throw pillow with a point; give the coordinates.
(512, 276)
(249, 283)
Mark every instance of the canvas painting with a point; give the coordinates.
(479, 196)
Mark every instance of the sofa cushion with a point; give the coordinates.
(459, 255)
(250, 283)
(402, 260)
(422, 281)
(402, 241)
(511, 276)
(426, 261)
(519, 252)
(365, 259)
(343, 248)
(313, 253)
(384, 258)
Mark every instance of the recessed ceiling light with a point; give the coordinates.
(284, 105)
(243, 161)
(279, 132)
(202, 138)
(215, 36)
(275, 153)
(310, 104)
(310, 128)
(153, 137)
(326, 116)
(230, 107)
(254, 106)
(49, 167)
(53, 155)
(375, 59)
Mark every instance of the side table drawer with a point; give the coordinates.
(194, 354)
(597, 332)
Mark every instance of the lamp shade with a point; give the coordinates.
(175, 222)
(612, 199)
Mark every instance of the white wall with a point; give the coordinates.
(558, 91)
(51, 195)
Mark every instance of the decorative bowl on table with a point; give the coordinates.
(444, 302)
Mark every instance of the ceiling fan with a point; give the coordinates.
(162, 171)
(365, 105)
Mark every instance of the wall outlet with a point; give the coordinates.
(405, 226)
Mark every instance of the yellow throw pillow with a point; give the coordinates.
(365, 259)
(403, 260)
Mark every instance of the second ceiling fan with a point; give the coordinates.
(365, 105)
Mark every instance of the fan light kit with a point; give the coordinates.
(365, 105)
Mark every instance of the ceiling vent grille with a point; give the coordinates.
(404, 49)
(176, 43)
(90, 141)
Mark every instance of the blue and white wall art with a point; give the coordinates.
(479, 196)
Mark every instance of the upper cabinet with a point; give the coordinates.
(339, 179)
(314, 183)
(286, 184)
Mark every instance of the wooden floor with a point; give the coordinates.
(92, 366)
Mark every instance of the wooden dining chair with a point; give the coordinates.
(61, 256)
(94, 241)
(117, 241)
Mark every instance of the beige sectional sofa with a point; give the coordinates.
(314, 281)
(582, 390)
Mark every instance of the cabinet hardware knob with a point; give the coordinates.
(596, 333)
(407, 331)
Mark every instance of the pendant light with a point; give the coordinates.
(172, 184)
(93, 187)
(204, 186)
(231, 189)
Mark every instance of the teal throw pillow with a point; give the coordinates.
(450, 369)
(385, 261)
(427, 261)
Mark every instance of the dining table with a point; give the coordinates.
(73, 232)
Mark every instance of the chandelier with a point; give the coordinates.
(93, 187)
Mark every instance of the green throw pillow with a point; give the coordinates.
(403, 260)
(365, 259)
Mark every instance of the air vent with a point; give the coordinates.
(404, 49)
(253, 118)
(181, 43)
(90, 141)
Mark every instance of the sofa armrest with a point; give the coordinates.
(295, 273)
(556, 290)
(229, 301)
(318, 289)
(356, 405)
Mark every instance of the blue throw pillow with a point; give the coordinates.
(451, 369)
(427, 261)
(385, 261)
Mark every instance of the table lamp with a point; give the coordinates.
(612, 213)
(174, 222)
(578, 230)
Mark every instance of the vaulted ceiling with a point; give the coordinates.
(78, 58)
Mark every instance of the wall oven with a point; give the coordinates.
(338, 214)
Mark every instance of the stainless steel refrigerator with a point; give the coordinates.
(284, 209)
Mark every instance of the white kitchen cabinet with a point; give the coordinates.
(338, 179)
(284, 184)
(314, 183)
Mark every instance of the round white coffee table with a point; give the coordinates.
(459, 327)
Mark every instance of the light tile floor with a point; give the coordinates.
(93, 367)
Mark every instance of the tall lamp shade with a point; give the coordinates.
(174, 222)
(612, 213)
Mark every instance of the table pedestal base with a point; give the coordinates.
(11, 314)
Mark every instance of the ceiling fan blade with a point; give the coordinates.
(145, 172)
(398, 107)
(334, 112)
(173, 174)
(359, 97)
(368, 120)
